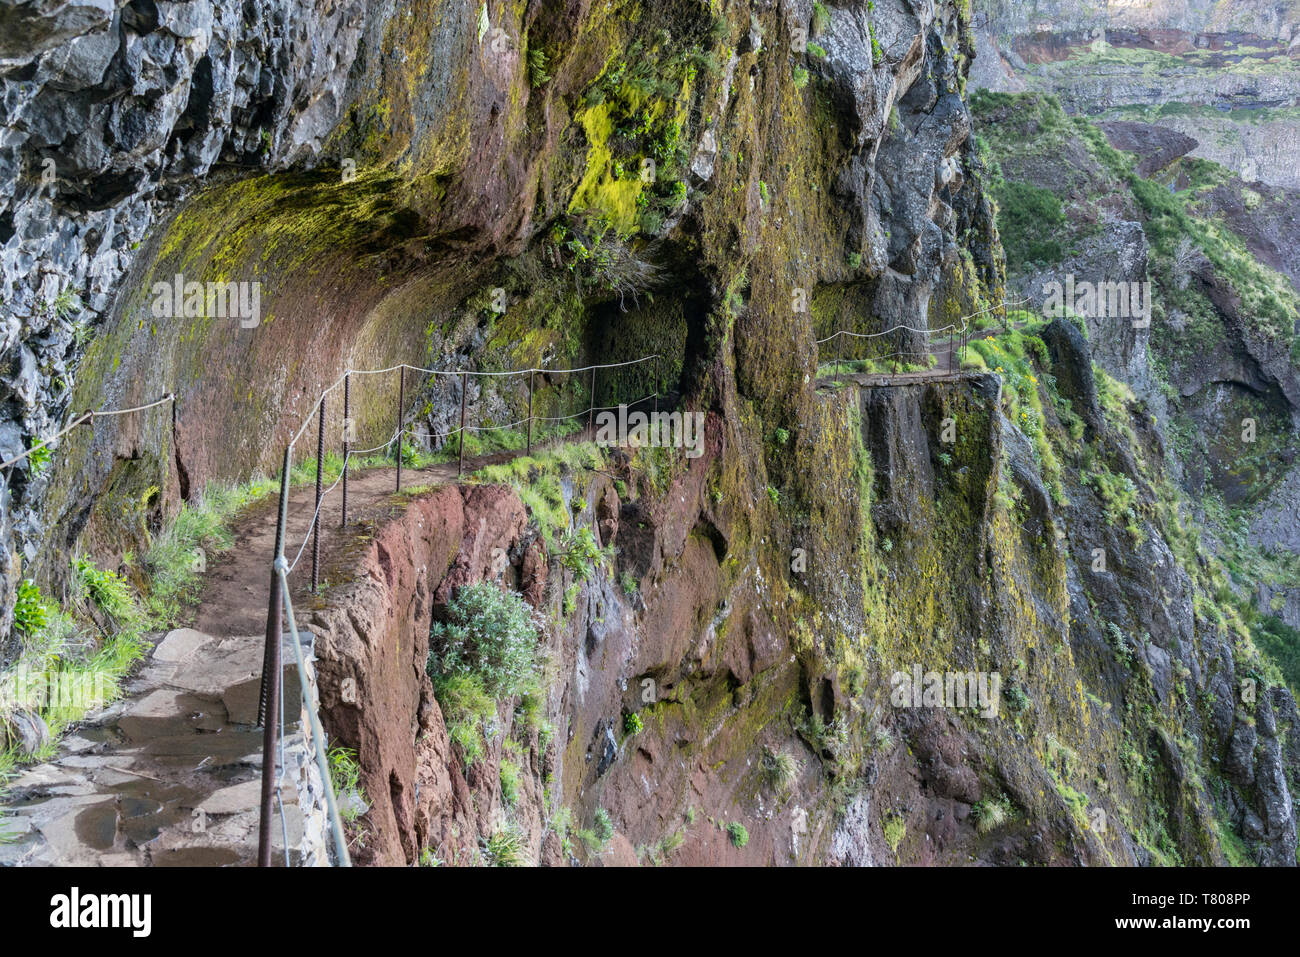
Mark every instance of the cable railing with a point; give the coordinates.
(89, 416)
(312, 708)
(403, 429)
(270, 699)
(959, 328)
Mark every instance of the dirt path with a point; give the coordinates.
(236, 590)
(237, 587)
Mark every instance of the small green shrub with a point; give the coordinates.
(107, 590)
(883, 740)
(537, 74)
(597, 836)
(1016, 699)
(345, 778)
(632, 723)
(30, 612)
(895, 829)
(39, 459)
(66, 303)
(582, 555)
(509, 774)
(468, 710)
(604, 826)
(737, 833)
(505, 848)
(490, 635)
(989, 815)
(571, 599)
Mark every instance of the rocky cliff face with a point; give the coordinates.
(1211, 362)
(455, 169)
(113, 114)
(1116, 738)
(503, 185)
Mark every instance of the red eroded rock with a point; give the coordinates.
(373, 641)
(494, 522)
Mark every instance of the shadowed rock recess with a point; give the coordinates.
(721, 638)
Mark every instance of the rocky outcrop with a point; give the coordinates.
(1114, 253)
(1156, 147)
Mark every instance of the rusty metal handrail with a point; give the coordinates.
(313, 719)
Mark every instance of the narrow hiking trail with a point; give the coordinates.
(171, 773)
(947, 352)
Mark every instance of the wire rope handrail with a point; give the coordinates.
(88, 416)
(951, 326)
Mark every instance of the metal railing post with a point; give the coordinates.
(176, 452)
(269, 701)
(401, 404)
(347, 424)
(460, 467)
(320, 475)
(530, 411)
(591, 406)
(658, 380)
